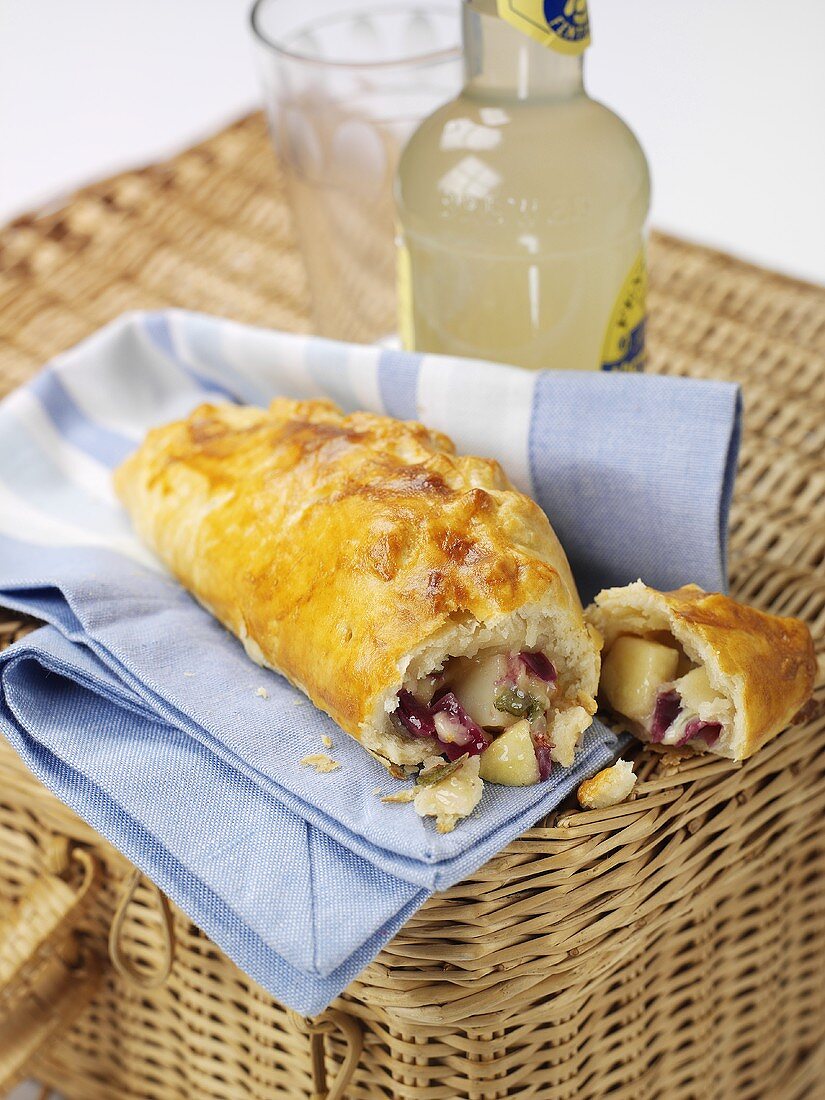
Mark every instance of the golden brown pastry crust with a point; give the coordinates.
(765, 664)
(335, 546)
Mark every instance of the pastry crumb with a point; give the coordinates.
(189, 674)
(376, 790)
(326, 741)
(448, 791)
(608, 787)
(262, 692)
(299, 703)
(321, 762)
(407, 795)
(672, 758)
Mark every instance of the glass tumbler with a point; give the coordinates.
(345, 85)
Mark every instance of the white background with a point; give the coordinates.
(727, 96)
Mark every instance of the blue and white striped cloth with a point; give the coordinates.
(144, 715)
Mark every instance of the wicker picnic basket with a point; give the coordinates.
(669, 948)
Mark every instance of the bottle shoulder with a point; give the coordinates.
(508, 112)
(579, 134)
(560, 169)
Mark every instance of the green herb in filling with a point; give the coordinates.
(440, 772)
(519, 703)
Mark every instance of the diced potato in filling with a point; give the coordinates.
(511, 759)
(633, 672)
(449, 729)
(695, 690)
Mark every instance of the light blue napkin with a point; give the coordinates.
(139, 710)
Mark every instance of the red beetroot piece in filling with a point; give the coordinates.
(542, 746)
(414, 716)
(477, 740)
(668, 706)
(708, 732)
(540, 665)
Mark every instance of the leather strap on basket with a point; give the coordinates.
(329, 1023)
(47, 973)
(123, 964)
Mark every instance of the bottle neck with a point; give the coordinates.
(502, 62)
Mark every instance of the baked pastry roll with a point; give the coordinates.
(695, 668)
(413, 594)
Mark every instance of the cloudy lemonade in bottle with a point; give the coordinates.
(522, 205)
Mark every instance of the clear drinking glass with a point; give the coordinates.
(345, 85)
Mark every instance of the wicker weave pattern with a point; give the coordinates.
(668, 949)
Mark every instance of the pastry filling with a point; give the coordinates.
(493, 706)
(656, 686)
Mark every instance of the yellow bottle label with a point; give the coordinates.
(403, 273)
(624, 341)
(563, 25)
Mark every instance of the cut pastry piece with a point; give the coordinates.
(608, 787)
(413, 594)
(694, 668)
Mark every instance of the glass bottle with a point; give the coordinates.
(522, 206)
